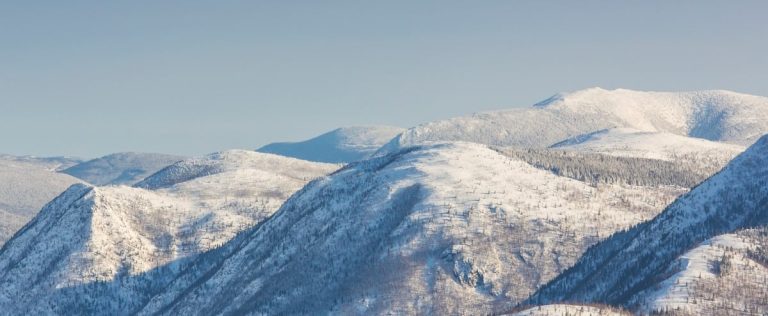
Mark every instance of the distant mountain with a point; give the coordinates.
(107, 250)
(49, 163)
(26, 184)
(338, 146)
(448, 228)
(722, 116)
(621, 268)
(120, 168)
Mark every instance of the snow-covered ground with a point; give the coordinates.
(121, 168)
(717, 275)
(104, 250)
(629, 142)
(571, 310)
(444, 229)
(714, 115)
(338, 146)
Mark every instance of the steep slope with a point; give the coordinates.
(106, 250)
(424, 230)
(338, 146)
(631, 262)
(120, 168)
(714, 115)
(727, 274)
(26, 184)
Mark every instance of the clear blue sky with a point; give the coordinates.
(88, 78)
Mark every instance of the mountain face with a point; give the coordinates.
(726, 274)
(106, 250)
(338, 146)
(619, 269)
(26, 184)
(446, 228)
(120, 168)
(713, 115)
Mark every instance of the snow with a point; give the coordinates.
(121, 168)
(696, 264)
(713, 115)
(427, 230)
(571, 310)
(338, 146)
(628, 142)
(137, 239)
(732, 199)
(26, 184)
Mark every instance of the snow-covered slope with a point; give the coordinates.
(633, 261)
(571, 310)
(338, 146)
(106, 250)
(48, 163)
(121, 168)
(726, 274)
(26, 184)
(447, 228)
(629, 142)
(714, 115)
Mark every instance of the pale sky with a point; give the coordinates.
(87, 78)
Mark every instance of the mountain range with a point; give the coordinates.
(596, 202)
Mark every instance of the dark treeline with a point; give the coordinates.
(599, 168)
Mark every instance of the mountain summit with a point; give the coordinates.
(340, 145)
(715, 115)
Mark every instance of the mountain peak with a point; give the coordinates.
(341, 145)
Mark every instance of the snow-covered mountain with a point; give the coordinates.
(446, 228)
(48, 163)
(121, 168)
(639, 260)
(714, 115)
(106, 250)
(26, 184)
(338, 146)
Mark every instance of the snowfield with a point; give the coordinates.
(627, 142)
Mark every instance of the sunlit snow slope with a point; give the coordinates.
(105, 250)
(447, 228)
(626, 264)
(714, 115)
